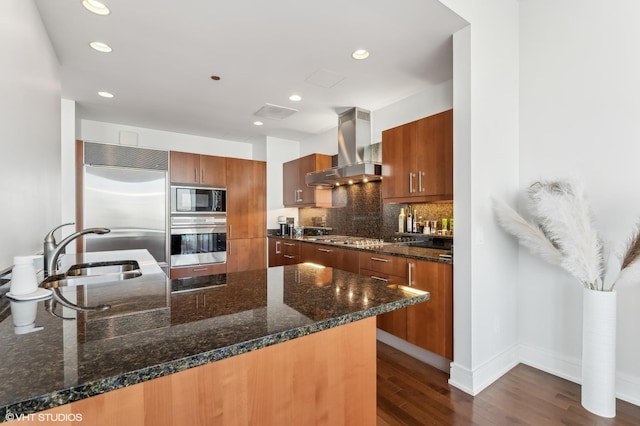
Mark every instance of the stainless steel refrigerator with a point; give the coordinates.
(125, 190)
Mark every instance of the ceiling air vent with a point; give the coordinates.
(275, 112)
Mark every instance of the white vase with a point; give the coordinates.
(599, 352)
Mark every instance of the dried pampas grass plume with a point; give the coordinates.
(562, 233)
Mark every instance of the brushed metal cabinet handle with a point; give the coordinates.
(420, 174)
(379, 278)
(195, 174)
(325, 250)
(278, 250)
(199, 269)
(410, 266)
(289, 244)
(202, 176)
(288, 256)
(378, 259)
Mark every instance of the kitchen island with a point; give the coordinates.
(292, 344)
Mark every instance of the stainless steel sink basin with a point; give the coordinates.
(95, 273)
(124, 269)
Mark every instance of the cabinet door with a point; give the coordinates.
(290, 180)
(246, 199)
(311, 196)
(347, 260)
(185, 168)
(434, 136)
(275, 252)
(213, 171)
(430, 324)
(246, 254)
(399, 162)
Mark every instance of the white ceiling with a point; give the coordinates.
(165, 51)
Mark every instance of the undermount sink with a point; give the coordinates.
(95, 273)
(124, 268)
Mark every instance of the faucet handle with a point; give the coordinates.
(49, 238)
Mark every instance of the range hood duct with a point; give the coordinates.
(358, 159)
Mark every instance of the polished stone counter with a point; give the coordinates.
(157, 326)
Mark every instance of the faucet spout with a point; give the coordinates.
(52, 250)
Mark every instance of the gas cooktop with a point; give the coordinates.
(346, 240)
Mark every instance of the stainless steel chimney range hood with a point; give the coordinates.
(358, 159)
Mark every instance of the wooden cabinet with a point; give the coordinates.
(387, 270)
(430, 324)
(330, 256)
(274, 253)
(197, 169)
(198, 270)
(347, 260)
(246, 199)
(296, 193)
(283, 251)
(246, 215)
(418, 160)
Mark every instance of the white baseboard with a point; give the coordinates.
(474, 382)
(418, 353)
(570, 368)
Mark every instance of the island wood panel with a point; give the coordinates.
(315, 379)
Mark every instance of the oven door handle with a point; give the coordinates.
(198, 230)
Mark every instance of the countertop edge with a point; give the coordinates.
(76, 393)
(378, 250)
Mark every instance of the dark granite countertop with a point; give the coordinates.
(393, 249)
(157, 326)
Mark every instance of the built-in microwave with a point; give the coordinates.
(189, 199)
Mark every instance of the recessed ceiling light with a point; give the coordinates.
(96, 7)
(360, 54)
(106, 94)
(295, 98)
(101, 47)
(258, 123)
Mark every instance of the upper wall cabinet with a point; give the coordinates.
(207, 170)
(417, 160)
(296, 193)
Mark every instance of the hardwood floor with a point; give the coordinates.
(413, 393)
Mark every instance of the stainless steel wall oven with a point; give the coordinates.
(197, 240)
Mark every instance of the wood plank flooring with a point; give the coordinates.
(413, 393)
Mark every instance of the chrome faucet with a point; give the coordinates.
(52, 250)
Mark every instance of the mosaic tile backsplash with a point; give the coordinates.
(362, 213)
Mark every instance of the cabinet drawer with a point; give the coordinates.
(198, 270)
(392, 265)
(383, 278)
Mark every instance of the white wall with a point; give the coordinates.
(29, 130)
(485, 107)
(96, 131)
(278, 151)
(579, 109)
